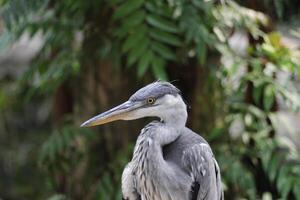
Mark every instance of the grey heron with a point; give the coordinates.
(170, 161)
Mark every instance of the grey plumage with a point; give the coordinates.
(170, 162)
(156, 90)
(170, 172)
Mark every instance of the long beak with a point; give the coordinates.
(120, 112)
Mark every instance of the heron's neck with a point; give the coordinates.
(176, 115)
(175, 120)
(150, 142)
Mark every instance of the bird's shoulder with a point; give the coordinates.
(190, 137)
(184, 144)
(196, 149)
(187, 140)
(197, 158)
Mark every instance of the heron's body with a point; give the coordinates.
(167, 168)
(170, 162)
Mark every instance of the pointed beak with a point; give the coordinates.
(121, 112)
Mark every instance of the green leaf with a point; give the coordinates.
(144, 63)
(121, 32)
(274, 39)
(203, 5)
(266, 158)
(126, 8)
(133, 20)
(279, 8)
(201, 50)
(257, 92)
(158, 69)
(163, 50)
(162, 9)
(296, 190)
(282, 176)
(134, 39)
(285, 189)
(273, 167)
(269, 97)
(60, 142)
(162, 23)
(137, 51)
(165, 37)
(67, 137)
(115, 2)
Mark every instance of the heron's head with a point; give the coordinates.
(158, 99)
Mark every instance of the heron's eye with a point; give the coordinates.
(150, 100)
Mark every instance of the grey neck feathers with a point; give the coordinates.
(148, 158)
(176, 120)
(158, 134)
(176, 115)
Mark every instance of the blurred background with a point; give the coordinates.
(61, 62)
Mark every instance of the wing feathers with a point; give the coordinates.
(200, 162)
(128, 187)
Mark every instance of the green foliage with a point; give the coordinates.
(147, 32)
(239, 180)
(252, 104)
(151, 32)
(233, 16)
(66, 151)
(281, 167)
(59, 57)
(106, 187)
(64, 148)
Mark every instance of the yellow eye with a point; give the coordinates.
(150, 100)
